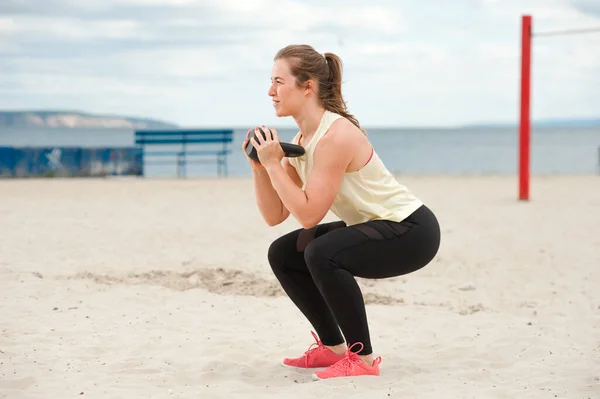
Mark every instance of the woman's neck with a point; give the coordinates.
(309, 120)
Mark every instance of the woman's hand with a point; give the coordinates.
(268, 150)
(253, 164)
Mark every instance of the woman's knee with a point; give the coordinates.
(318, 254)
(275, 254)
(281, 250)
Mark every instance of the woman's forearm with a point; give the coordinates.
(293, 198)
(269, 204)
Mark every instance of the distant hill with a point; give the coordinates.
(75, 119)
(567, 122)
(583, 122)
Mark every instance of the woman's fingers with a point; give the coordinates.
(246, 140)
(259, 135)
(269, 135)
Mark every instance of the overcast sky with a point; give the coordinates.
(208, 62)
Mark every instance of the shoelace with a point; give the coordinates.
(347, 364)
(312, 350)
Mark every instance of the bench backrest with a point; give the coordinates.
(183, 136)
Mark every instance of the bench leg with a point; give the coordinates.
(181, 165)
(221, 166)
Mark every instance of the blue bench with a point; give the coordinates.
(196, 143)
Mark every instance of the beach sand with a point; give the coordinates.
(132, 288)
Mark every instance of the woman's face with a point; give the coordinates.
(288, 98)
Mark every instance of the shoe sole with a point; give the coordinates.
(303, 368)
(316, 378)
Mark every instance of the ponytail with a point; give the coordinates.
(331, 91)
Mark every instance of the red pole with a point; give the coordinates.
(525, 123)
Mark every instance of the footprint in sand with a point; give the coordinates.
(216, 280)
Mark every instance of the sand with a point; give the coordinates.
(131, 288)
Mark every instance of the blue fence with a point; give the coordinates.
(70, 162)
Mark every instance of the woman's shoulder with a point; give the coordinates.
(343, 129)
(342, 136)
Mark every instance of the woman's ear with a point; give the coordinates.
(309, 87)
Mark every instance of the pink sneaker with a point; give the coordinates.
(350, 366)
(314, 358)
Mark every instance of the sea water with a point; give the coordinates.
(404, 150)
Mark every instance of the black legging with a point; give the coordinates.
(316, 267)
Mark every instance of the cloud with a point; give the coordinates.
(208, 62)
(590, 7)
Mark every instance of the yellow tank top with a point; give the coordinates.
(367, 194)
